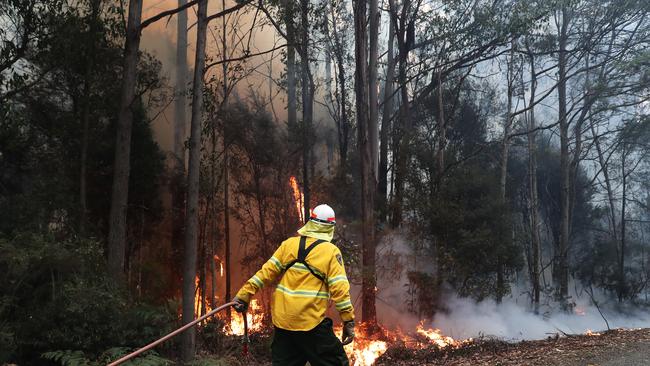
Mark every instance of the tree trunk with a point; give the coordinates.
(226, 145)
(85, 117)
(373, 98)
(368, 185)
(191, 219)
(562, 255)
(621, 265)
(180, 115)
(181, 89)
(402, 137)
(505, 152)
(532, 186)
(343, 125)
(122, 162)
(307, 105)
(608, 184)
(291, 64)
(386, 122)
(226, 224)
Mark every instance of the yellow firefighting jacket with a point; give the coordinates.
(301, 299)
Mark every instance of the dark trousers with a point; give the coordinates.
(319, 346)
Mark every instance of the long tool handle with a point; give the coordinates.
(170, 335)
(245, 340)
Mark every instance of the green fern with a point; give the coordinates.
(68, 358)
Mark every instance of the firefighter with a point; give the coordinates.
(311, 274)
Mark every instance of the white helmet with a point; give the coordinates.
(323, 214)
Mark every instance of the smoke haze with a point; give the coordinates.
(464, 318)
(511, 320)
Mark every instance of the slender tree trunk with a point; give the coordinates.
(226, 225)
(404, 131)
(386, 122)
(85, 117)
(191, 219)
(373, 98)
(563, 269)
(505, 152)
(181, 88)
(291, 63)
(307, 105)
(328, 54)
(226, 145)
(122, 161)
(532, 186)
(608, 184)
(368, 185)
(180, 115)
(621, 266)
(343, 124)
(441, 133)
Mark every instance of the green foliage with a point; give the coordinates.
(56, 296)
(78, 358)
(41, 130)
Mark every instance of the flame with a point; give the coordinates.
(298, 198)
(254, 315)
(434, 336)
(197, 300)
(592, 334)
(365, 349)
(197, 297)
(365, 353)
(217, 259)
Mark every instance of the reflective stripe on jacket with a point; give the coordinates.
(301, 299)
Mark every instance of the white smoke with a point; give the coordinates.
(512, 320)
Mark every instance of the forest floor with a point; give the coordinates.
(612, 348)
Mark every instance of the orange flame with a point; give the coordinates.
(217, 259)
(366, 353)
(254, 315)
(298, 198)
(364, 350)
(435, 336)
(592, 334)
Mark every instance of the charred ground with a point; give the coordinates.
(612, 348)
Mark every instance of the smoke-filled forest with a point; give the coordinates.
(487, 160)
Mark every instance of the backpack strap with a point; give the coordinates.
(303, 252)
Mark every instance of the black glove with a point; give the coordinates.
(240, 305)
(348, 332)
